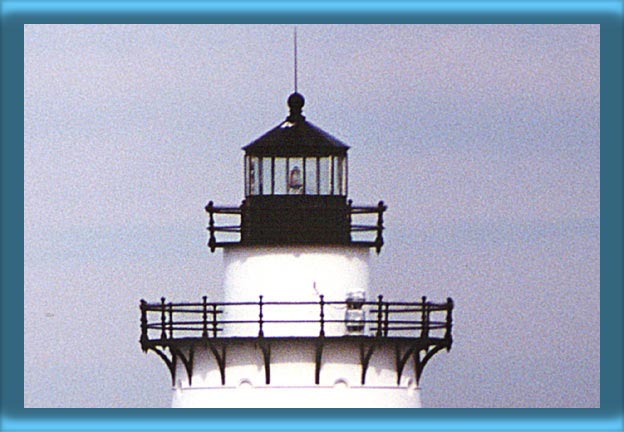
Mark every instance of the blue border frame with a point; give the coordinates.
(607, 13)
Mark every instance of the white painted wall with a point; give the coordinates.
(299, 397)
(292, 274)
(293, 378)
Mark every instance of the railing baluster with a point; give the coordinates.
(424, 319)
(449, 318)
(204, 317)
(212, 241)
(163, 334)
(322, 303)
(260, 316)
(349, 214)
(379, 314)
(144, 337)
(214, 320)
(386, 319)
(379, 240)
(170, 320)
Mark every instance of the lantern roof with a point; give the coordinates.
(296, 137)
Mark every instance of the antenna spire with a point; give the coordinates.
(295, 100)
(295, 43)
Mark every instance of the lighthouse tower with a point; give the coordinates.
(297, 324)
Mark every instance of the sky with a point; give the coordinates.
(483, 140)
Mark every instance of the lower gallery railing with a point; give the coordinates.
(168, 321)
(416, 330)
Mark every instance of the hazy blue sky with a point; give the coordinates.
(483, 140)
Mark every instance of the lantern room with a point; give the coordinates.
(296, 182)
(296, 158)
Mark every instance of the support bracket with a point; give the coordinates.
(187, 362)
(169, 362)
(219, 358)
(365, 356)
(402, 358)
(265, 347)
(318, 358)
(419, 364)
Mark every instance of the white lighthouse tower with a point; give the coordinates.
(298, 324)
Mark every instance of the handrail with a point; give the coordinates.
(417, 305)
(384, 319)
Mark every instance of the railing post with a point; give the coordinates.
(212, 241)
(425, 319)
(322, 303)
(204, 317)
(214, 320)
(144, 337)
(260, 316)
(386, 319)
(350, 214)
(170, 320)
(379, 314)
(379, 240)
(449, 318)
(163, 334)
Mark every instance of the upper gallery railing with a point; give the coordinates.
(352, 210)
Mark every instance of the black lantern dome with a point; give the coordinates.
(296, 137)
(296, 181)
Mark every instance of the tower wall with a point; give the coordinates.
(292, 377)
(292, 365)
(292, 274)
(300, 397)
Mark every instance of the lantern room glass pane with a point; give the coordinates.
(339, 175)
(324, 176)
(246, 175)
(295, 176)
(335, 174)
(254, 175)
(343, 169)
(266, 176)
(280, 176)
(311, 185)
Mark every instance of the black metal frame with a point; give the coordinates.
(352, 210)
(419, 338)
